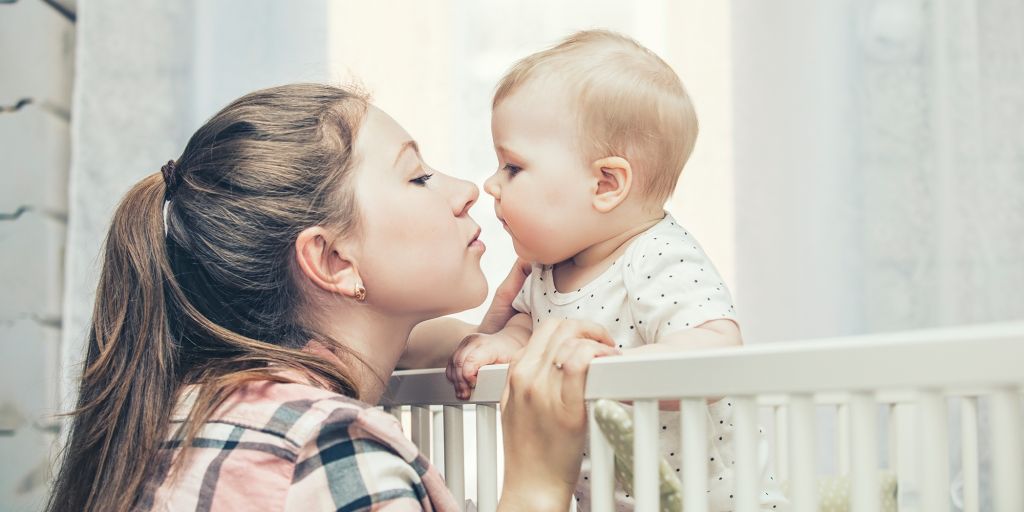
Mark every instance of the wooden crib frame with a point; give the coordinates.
(910, 377)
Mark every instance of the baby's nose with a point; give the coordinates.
(491, 186)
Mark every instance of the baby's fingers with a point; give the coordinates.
(481, 357)
(453, 372)
(464, 361)
(575, 365)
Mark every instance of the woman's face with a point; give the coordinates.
(419, 255)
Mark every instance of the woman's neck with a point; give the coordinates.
(377, 342)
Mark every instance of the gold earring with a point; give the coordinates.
(360, 292)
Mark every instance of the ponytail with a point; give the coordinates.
(129, 379)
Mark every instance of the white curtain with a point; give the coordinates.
(880, 164)
(148, 73)
(879, 160)
(860, 168)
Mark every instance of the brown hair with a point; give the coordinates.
(629, 103)
(214, 301)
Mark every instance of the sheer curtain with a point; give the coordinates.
(879, 157)
(879, 161)
(860, 167)
(148, 73)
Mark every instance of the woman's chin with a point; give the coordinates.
(475, 295)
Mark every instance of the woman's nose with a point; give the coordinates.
(465, 196)
(491, 186)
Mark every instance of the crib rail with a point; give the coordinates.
(908, 376)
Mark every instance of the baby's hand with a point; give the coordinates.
(475, 351)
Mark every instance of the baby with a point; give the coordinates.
(591, 137)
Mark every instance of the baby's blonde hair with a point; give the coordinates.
(629, 102)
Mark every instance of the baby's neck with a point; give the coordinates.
(589, 263)
(606, 250)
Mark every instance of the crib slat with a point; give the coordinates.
(864, 488)
(843, 438)
(908, 459)
(892, 436)
(487, 457)
(602, 469)
(801, 453)
(437, 439)
(969, 452)
(694, 428)
(746, 465)
(420, 430)
(781, 450)
(645, 455)
(1007, 452)
(454, 461)
(934, 452)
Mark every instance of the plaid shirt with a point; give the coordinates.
(295, 447)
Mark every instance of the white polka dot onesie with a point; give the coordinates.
(662, 283)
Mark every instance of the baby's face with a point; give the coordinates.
(543, 186)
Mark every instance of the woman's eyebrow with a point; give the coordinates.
(409, 144)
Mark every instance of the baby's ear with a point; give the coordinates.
(614, 179)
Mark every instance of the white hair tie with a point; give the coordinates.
(167, 205)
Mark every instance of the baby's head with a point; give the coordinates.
(591, 137)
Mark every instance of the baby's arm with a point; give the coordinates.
(713, 334)
(478, 349)
(680, 301)
(431, 343)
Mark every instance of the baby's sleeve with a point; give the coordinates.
(671, 285)
(523, 298)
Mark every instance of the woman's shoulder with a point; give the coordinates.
(304, 446)
(299, 413)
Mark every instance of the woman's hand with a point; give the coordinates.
(501, 306)
(543, 413)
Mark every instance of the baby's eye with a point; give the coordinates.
(422, 180)
(512, 169)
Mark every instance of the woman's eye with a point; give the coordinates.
(422, 180)
(512, 169)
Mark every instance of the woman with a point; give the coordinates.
(256, 295)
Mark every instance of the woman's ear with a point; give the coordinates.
(325, 263)
(614, 180)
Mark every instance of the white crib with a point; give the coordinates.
(889, 397)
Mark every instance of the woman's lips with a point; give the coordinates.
(476, 243)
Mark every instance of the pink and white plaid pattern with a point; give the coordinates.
(295, 447)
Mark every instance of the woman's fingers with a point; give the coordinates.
(586, 329)
(567, 335)
(534, 371)
(549, 336)
(543, 414)
(575, 361)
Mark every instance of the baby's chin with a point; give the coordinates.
(527, 255)
(536, 259)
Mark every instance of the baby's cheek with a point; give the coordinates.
(524, 229)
